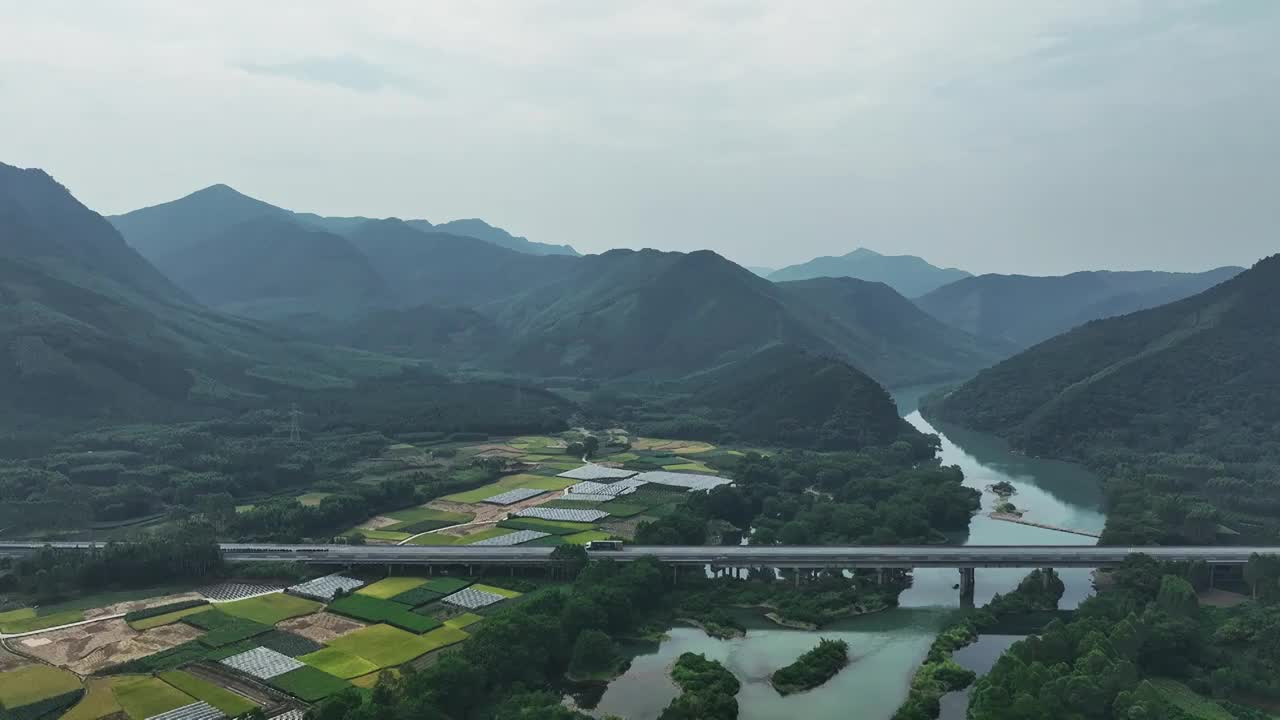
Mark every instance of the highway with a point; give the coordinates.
(885, 556)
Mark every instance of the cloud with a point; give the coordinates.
(994, 135)
(348, 72)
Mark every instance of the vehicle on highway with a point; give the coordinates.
(604, 545)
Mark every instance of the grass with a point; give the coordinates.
(551, 526)
(388, 535)
(99, 701)
(309, 684)
(690, 467)
(446, 585)
(444, 637)
(339, 664)
(15, 615)
(391, 587)
(484, 535)
(312, 499)
(386, 646)
(417, 597)
(231, 633)
(41, 622)
(142, 697)
(463, 621)
(1196, 706)
(34, 683)
(435, 539)
(537, 482)
(497, 590)
(583, 538)
(370, 609)
(270, 609)
(422, 512)
(228, 702)
(167, 618)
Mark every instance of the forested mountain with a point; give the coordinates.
(895, 330)
(273, 268)
(1023, 310)
(908, 274)
(438, 268)
(171, 227)
(650, 313)
(1185, 397)
(801, 398)
(91, 333)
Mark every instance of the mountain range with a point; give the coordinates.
(909, 275)
(1199, 374)
(1022, 310)
(168, 228)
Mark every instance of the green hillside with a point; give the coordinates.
(271, 267)
(649, 313)
(1182, 399)
(787, 395)
(908, 274)
(438, 268)
(1021, 311)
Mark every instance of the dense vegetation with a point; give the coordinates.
(707, 690)
(1178, 405)
(1111, 659)
(520, 648)
(187, 553)
(880, 496)
(1021, 310)
(813, 668)
(939, 674)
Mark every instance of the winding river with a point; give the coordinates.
(887, 647)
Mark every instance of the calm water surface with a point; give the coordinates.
(887, 647)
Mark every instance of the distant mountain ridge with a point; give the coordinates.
(1209, 357)
(170, 227)
(89, 331)
(1024, 310)
(909, 275)
(627, 313)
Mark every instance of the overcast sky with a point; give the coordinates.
(997, 136)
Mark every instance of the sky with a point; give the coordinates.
(1032, 136)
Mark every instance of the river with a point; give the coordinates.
(887, 647)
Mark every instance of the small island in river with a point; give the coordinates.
(812, 668)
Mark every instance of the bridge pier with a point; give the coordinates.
(967, 584)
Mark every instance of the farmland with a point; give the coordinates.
(164, 653)
(270, 609)
(391, 587)
(386, 646)
(228, 702)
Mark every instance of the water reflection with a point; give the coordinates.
(888, 647)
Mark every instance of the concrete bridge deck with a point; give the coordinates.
(865, 556)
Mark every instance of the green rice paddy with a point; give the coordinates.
(143, 697)
(270, 609)
(228, 702)
(391, 587)
(33, 683)
(339, 664)
(523, 480)
(386, 646)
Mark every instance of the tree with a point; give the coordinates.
(1177, 597)
(593, 653)
(590, 445)
(571, 559)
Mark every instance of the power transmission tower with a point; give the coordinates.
(295, 432)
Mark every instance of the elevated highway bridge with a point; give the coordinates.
(778, 556)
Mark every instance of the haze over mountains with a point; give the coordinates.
(1022, 310)
(909, 275)
(166, 228)
(84, 310)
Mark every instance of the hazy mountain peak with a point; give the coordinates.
(910, 275)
